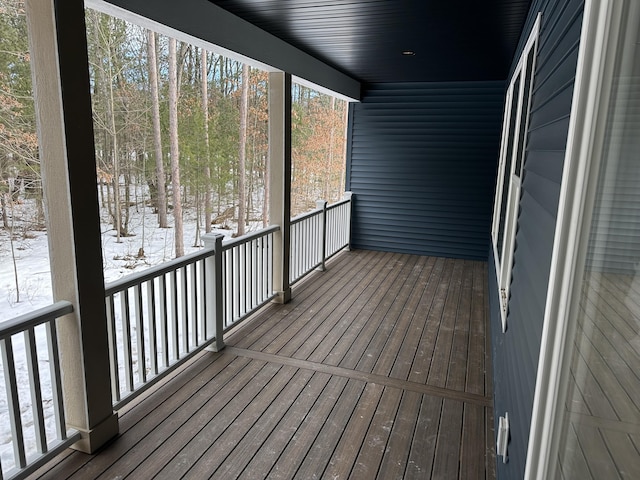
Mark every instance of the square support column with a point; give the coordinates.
(280, 179)
(60, 73)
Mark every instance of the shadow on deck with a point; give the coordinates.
(378, 368)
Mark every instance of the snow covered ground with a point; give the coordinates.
(34, 286)
(119, 259)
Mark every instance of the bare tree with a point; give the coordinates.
(161, 193)
(173, 148)
(242, 153)
(207, 169)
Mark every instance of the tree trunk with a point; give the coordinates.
(329, 165)
(117, 214)
(175, 153)
(13, 252)
(242, 199)
(207, 168)
(5, 214)
(267, 191)
(157, 136)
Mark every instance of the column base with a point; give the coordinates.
(216, 347)
(283, 297)
(95, 438)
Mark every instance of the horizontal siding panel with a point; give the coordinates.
(546, 192)
(552, 136)
(422, 167)
(552, 110)
(545, 163)
(378, 210)
(530, 244)
(412, 234)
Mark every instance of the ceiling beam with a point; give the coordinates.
(204, 24)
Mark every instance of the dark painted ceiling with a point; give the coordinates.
(452, 39)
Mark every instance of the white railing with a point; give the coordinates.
(318, 235)
(306, 243)
(247, 269)
(156, 320)
(33, 405)
(338, 227)
(159, 318)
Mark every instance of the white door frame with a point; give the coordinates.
(591, 96)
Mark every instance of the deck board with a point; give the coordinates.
(378, 368)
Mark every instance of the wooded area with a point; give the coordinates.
(179, 131)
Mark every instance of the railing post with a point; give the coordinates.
(280, 180)
(322, 204)
(349, 196)
(214, 280)
(59, 62)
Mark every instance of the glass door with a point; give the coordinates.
(587, 413)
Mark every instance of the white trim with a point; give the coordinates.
(206, 25)
(590, 99)
(504, 257)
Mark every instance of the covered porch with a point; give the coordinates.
(379, 367)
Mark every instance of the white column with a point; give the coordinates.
(65, 130)
(280, 179)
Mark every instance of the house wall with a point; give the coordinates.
(516, 352)
(422, 166)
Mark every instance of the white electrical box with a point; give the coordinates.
(503, 437)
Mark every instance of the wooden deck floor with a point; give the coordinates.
(379, 368)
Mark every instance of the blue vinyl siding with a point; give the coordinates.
(422, 167)
(516, 352)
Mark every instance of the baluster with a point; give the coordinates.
(348, 210)
(151, 321)
(126, 338)
(255, 252)
(56, 379)
(270, 247)
(175, 323)
(36, 392)
(259, 270)
(184, 317)
(249, 275)
(164, 321)
(304, 246)
(113, 348)
(300, 250)
(236, 271)
(230, 274)
(242, 299)
(142, 357)
(13, 402)
(193, 268)
(294, 251)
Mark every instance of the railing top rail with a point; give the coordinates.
(230, 243)
(33, 319)
(317, 211)
(153, 272)
(338, 203)
(306, 215)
